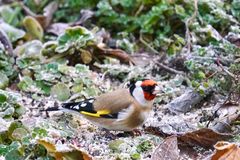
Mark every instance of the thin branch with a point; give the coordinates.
(225, 70)
(187, 23)
(170, 70)
(55, 57)
(146, 44)
(139, 10)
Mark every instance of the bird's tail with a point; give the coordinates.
(52, 109)
(64, 106)
(86, 105)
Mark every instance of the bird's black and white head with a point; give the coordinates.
(144, 91)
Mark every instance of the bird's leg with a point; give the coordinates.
(133, 133)
(136, 132)
(108, 134)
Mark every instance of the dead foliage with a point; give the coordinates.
(226, 151)
(168, 149)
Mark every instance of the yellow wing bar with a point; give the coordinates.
(98, 114)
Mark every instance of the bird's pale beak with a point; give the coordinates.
(157, 90)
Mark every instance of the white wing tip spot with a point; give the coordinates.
(91, 101)
(83, 104)
(76, 107)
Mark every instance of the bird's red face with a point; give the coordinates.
(150, 89)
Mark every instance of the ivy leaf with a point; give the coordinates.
(60, 91)
(74, 37)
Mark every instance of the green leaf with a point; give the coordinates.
(19, 111)
(60, 91)
(33, 27)
(3, 81)
(40, 132)
(75, 38)
(19, 133)
(114, 145)
(31, 50)
(13, 33)
(3, 98)
(13, 155)
(9, 15)
(144, 146)
(200, 75)
(135, 156)
(46, 88)
(205, 84)
(7, 150)
(26, 84)
(14, 125)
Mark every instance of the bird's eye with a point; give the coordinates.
(148, 89)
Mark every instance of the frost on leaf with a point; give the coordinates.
(168, 149)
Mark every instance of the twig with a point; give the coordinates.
(171, 70)
(221, 59)
(187, 23)
(146, 44)
(211, 75)
(225, 70)
(215, 112)
(139, 10)
(55, 57)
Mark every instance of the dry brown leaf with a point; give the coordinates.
(204, 137)
(115, 53)
(226, 151)
(49, 10)
(57, 28)
(61, 151)
(6, 42)
(168, 149)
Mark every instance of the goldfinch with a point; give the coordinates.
(122, 110)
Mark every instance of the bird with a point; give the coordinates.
(124, 109)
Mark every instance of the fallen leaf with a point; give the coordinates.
(57, 28)
(33, 27)
(29, 49)
(168, 149)
(226, 151)
(204, 137)
(115, 53)
(64, 151)
(49, 10)
(86, 56)
(85, 15)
